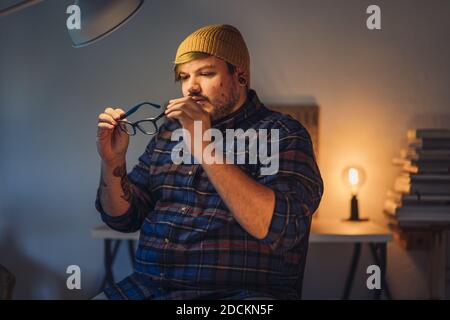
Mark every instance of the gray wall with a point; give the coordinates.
(371, 86)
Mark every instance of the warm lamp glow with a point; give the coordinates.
(353, 177)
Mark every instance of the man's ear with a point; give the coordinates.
(240, 72)
(242, 76)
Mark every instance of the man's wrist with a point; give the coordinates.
(110, 165)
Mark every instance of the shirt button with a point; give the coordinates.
(190, 173)
(183, 209)
(166, 240)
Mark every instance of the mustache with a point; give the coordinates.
(198, 95)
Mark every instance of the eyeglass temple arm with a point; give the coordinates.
(160, 116)
(135, 108)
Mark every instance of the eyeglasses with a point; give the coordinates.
(146, 126)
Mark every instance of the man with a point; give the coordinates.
(210, 230)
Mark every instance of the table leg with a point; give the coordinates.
(352, 271)
(108, 260)
(438, 260)
(379, 254)
(131, 251)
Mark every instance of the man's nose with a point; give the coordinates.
(193, 88)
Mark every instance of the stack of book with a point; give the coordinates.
(421, 193)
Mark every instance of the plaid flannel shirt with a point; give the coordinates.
(190, 245)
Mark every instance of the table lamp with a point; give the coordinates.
(354, 177)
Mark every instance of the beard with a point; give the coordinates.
(222, 110)
(224, 105)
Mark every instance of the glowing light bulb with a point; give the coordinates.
(353, 178)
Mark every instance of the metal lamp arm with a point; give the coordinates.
(17, 7)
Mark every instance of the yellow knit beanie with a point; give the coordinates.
(220, 40)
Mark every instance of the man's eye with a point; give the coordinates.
(207, 74)
(182, 78)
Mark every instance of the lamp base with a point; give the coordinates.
(356, 220)
(354, 211)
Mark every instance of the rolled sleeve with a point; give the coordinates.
(141, 202)
(298, 189)
(132, 219)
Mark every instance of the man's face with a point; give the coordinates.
(209, 80)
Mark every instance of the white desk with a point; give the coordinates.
(323, 230)
(339, 231)
(106, 233)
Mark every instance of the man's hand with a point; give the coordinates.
(112, 143)
(186, 110)
(251, 203)
(115, 190)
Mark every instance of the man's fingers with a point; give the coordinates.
(115, 113)
(193, 110)
(175, 114)
(190, 104)
(183, 99)
(105, 126)
(173, 103)
(104, 129)
(107, 118)
(188, 101)
(180, 110)
(118, 113)
(178, 114)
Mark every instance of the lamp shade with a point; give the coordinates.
(100, 18)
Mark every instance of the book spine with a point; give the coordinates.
(428, 134)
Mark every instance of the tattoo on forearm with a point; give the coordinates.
(121, 172)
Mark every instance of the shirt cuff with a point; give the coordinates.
(284, 230)
(119, 223)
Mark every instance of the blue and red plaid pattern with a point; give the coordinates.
(190, 245)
